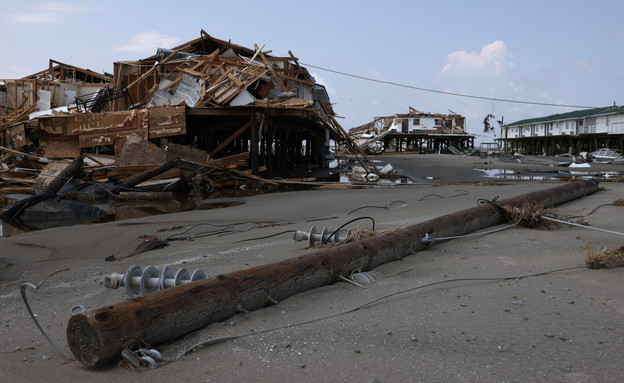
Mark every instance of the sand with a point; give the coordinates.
(560, 327)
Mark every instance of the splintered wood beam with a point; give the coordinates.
(209, 180)
(276, 77)
(18, 153)
(218, 163)
(222, 145)
(293, 57)
(152, 69)
(144, 176)
(251, 176)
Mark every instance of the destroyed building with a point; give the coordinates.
(205, 99)
(414, 131)
(205, 115)
(55, 90)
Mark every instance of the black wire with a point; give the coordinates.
(353, 220)
(464, 279)
(593, 211)
(376, 207)
(447, 93)
(268, 236)
(369, 303)
(430, 195)
(226, 226)
(465, 192)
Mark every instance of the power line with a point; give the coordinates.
(447, 93)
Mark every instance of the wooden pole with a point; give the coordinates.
(144, 176)
(255, 142)
(65, 175)
(98, 336)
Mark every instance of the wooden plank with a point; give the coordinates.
(192, 72)
(63, 147)
(18, 180)
(209, 180)
(235, 80)
(94, 159)
(152, 69)
(222, 145)
(132, 168)
(17, 190)
(166, 121)
(241, 173)
(276, 77)
(220, 162)
(18, 153)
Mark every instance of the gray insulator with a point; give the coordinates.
(132, 281)
(137, 281)
(323, 237)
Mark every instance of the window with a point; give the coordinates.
(438, 122)
(416, 121)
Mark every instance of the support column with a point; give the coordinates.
(254, 145)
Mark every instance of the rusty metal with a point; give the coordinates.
(99, 336)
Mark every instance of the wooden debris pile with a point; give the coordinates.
(229, 75)
(206, 115)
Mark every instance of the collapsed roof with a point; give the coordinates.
(207, 94)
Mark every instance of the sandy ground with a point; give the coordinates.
(560, 327)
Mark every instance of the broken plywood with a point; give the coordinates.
(138, 151)
(17, 136)
(90, 123)
(62, 147)
(49, 174)
(167, 121)
(187, 153)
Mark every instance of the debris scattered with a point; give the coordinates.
(604, 258)
(530, 214)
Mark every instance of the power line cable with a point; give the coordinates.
(447, 93)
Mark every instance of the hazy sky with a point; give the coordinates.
(557, 52)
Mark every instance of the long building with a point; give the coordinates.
(581, 130)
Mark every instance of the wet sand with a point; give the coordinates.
(560, 327)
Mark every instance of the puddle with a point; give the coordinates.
(559, 175)
(117, 211)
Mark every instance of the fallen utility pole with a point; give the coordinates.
(98, 336)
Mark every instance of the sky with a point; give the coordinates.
(552, 52)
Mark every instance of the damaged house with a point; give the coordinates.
(208, 99)
(205, 115)
(206, 95)
(51, 91)
(414, 131)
